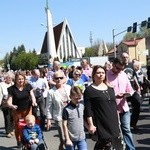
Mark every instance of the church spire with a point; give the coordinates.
(46, 4)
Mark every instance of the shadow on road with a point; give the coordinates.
(142, 148)
(7, 148)
(2, 134)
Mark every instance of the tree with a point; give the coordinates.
(6, 60)
(19, 59)
(21, 49)
(129, 36)
(34, 51)
(43, 60)
(26, 61)
(109, 45)
(143, 33)
(89, 52)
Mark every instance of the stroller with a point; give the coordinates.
(26, 146)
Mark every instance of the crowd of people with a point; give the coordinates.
(78, 98)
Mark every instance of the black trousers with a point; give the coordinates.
(8, 119)
(103, 144)
(42, 107)
(135, 101)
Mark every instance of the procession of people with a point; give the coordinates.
(87, 97)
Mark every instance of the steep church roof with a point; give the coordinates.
(57, 32)
(60, 31)
(44, 45)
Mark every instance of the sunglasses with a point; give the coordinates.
(57, 78)
(77, 74)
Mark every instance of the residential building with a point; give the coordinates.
(137, 49)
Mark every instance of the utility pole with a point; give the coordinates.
(114, 45)
(91, 38)
(114, 35)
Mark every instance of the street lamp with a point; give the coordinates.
(114, 35)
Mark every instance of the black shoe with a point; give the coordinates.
(19, 144)
(135, 128)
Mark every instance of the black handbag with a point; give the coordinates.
(146, 82)
(38, 93)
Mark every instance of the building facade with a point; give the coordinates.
(65, 44)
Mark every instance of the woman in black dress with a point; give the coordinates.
(101, 110)
(20, 99)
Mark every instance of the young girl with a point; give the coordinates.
(73, 126)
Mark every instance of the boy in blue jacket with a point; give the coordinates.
(32, 134)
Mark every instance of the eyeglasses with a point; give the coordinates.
(125, 57)
(57, 78)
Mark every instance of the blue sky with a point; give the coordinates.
(20, 20)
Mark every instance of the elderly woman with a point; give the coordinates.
(138, 74)
(76, 80)
(57, 99)
(7, 112)
(20, 99)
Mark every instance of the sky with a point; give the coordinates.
(20, 20)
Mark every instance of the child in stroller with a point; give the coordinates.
(32, 137)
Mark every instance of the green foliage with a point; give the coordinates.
(20, 59)
(129, 36)
(89, 52)
(21, 49)
(34, 51)
(43, 59)
(143, 33)
(109, 45)
(26, 61)
(94, 50)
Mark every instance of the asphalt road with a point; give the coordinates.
(141, 138)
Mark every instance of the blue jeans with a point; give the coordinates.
(39, 146)
(82, 145)
(125, 127)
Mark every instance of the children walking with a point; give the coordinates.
(73, 122)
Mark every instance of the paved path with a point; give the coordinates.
(141, 138)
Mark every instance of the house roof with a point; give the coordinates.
(132, 42)
(111, 51)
